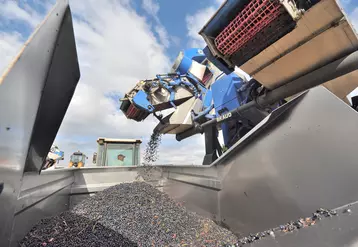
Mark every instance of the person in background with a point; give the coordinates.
(120, 159)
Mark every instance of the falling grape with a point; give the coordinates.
(151, 152)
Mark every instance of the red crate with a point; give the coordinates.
(250, 21)
(135, 113)
(132, 111)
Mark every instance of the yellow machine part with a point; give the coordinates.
(80, 164)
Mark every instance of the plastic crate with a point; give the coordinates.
(251, 20)
(136, 114)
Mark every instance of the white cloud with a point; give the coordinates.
(11, 11)
(163, 35)
(195, 22)
(219, 2)
(175, 40)
(187, 152)
(116, 48)
(150, 6)
(10, 44)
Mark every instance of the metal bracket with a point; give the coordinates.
(159, 117)
(292, 9)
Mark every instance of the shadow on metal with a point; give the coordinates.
(35, 91)
(340, 230)
(61, 81)
(300, 158)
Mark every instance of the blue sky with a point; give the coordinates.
(172, 15)
(119, 42)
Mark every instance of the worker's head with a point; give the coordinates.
(120, 157)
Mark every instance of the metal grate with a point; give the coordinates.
(134, 113)
(267, 36)
(250, 21)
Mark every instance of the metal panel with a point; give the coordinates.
(207, 182)
(304, 161)
(341, 230)
(94, 179)
(181, 120)
(199, 186)
(37, 187)
(202, 200)
(61, 81)
(40, 196)
(196, 187)
(195, 175)
(316, 20)
(320, 36)
(322, 49)
(343, 85)
(47, 207)
(21, 90)
(89, 180)
(286, 167)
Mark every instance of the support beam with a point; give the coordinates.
(333, 70)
